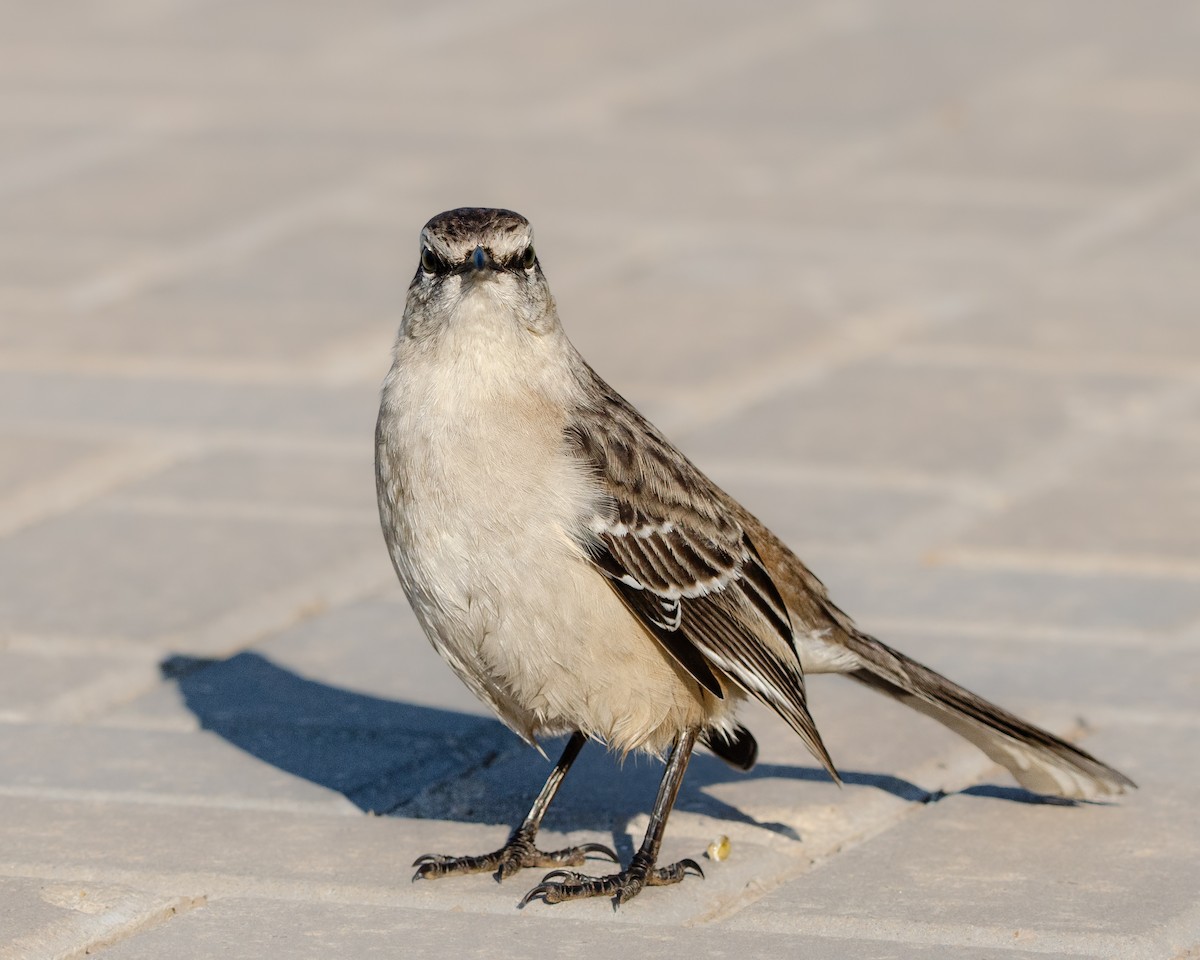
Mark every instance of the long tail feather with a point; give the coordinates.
(1039, 760)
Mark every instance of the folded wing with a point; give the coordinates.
(684, 566)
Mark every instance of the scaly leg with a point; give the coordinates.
(560, 885)
(520, 851)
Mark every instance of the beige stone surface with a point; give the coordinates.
(917, 281)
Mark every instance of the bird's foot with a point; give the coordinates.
(560, 885)
(519, 852)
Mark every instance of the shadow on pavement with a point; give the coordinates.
(390, 757)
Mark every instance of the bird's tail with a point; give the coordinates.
(1040, 761)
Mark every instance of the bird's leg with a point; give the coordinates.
(520, 851)
(560, 885)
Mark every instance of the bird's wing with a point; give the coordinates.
(684, 565)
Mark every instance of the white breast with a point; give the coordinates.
(479, 498)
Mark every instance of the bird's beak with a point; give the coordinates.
(477, 267)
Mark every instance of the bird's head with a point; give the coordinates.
(478, 264)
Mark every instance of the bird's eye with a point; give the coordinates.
(430, 261)
(529, 258)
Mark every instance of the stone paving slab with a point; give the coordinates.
(1122, 487)
(169, 768)
(50, 918)
(87, 404)
(50, 682)
(899, 418)
(280, 305)
(134, 575)
(237, 928)
(1009, 596)
(1060, 877)
(294, 853)
(31, 459)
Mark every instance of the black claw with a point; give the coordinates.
(569, 875)
(600, 848)
(692, 865)
(624, 895)
(505, 869)
(539, 892)
(427, 866)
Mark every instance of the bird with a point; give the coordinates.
(583, 577)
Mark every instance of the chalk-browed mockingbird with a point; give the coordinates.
(582, 576)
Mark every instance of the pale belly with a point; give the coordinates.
(478, 500)
(535, 631)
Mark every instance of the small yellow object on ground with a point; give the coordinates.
(718, 850)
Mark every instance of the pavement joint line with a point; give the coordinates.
(177, 723)
(342, 196)
(665, 77)
(289, 443)
(362, 359)
(1053, 464)
(271, 613)
(853, 158)
(227, 635)
(234, 509)
(86, 480)
(867, 151)
(1036, 361)
(929, 933)
(1148, 566)
(1127, 214)
(198, 439)
(945, 247)
(842, 477)
(59, 646)
(174, 724)
(23, 298)
(134, 926)
(218, 885)
(1001, 191)
(717, 399)
(1073, 65)
(1020, 632)
(116, 924)
(1114, 717)
(962, 769)
(350, 361)
(968, 769)
(957, 770)
(50, 166)
(157, 368)
(337, 806)
(108, 687)
(1180, 936)
(421, 29)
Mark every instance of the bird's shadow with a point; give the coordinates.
(391, 757)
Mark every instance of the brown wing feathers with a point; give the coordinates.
(686, 568)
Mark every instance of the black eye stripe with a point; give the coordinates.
(433, 264)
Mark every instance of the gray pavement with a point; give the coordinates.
(918, 282)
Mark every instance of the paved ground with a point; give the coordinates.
(917, 281)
